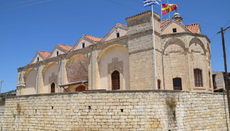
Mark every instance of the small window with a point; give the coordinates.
(198, 78)
(177, 84)
(37, 59)
(118, 34)
(57, 53)
(83, 45)
(174, 30)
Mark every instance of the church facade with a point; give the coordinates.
(124, 60)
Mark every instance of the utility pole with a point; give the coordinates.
(1, 86)
(225, 65)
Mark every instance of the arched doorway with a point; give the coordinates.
(80, 88)
(177, 84)
(52, 88)
(115, 80)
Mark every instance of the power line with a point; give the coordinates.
(216, 34)
(136, 1)
(201, 22)
(4, 1)
(227, 23)
(26, 5)
(213, 36)
(214, 28)
(123, 5)
(183, 17)
(15, 3)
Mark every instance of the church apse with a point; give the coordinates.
(77, 68)
(177, 78)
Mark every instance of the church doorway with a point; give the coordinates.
(158, 84)
(52, 88)
(115, 80)
(80, 88)
(177, 84)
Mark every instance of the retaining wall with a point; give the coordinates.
(115, 110)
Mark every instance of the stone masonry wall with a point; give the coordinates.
(114, 110)
(219, 79)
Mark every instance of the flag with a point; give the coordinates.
(166, 8)
(150, 2)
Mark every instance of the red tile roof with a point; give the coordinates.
(65, 47)
(193, 27)
(45, 54)
(122, 25)
(163, 21)
(113, 28)
(93, 38)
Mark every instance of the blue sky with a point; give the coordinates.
(30, 25)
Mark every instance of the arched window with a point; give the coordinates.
(177, 84)
(52, 88)
(198, 78)
(159, 84)
(115, 80)
(83, 45)
(57, 53)
(80, 88)
(37, 59)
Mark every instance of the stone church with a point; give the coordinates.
(124, 60)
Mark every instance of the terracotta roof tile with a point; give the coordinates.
(163, 21)
(65, 47)
(122, 25)
(45, 54)
(93, 38)
(193, 27)
(113, 28)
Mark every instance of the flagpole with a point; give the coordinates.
(168, 6)
(162, 55)
(154, 49)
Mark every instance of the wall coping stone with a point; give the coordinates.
(114, 91)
